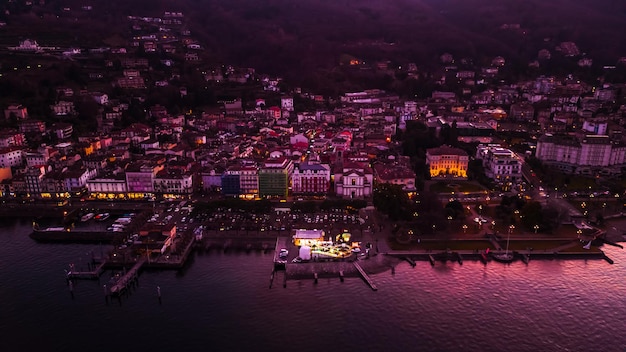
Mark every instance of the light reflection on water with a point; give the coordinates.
(223, 302)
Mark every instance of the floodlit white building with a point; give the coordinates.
(353, 180)
(591, 155)
(446, 161)
(499, 163)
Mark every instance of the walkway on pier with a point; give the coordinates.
(88, 274)
(365, 276)
(494, 241)
(281, 242)
(130, 275)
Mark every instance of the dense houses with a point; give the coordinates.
(272, 147)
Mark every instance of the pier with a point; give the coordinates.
(88, 274)
(365, 276)
(279, 263)
(494, 241)
(132, 274)
(410, 261)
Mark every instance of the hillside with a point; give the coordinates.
(304, 40)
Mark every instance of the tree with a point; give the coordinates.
(455, 209)
(531, 214)
(392, 200)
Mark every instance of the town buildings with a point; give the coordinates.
(269, 145)
(587, 155)
(500, 164)
(447, 162)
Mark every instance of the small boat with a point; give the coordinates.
(54, 229)
(87, 217)
(505, 257)
(103, 216)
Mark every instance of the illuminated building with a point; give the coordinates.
(353, 180)
(446, 161)
(275, 177)
(140, 179)
(500, 163)
(249, 181)
(311, 179)
(591, 155)
(172, 183)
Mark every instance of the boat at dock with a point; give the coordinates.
(103, 216)
(87, 217)
(506, 257)
(52, 229)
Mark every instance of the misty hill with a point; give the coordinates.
(304, 40)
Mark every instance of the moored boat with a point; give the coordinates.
(505, 257)
(103, 216)
(87, 217)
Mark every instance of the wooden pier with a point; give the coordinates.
(410, 261)
(130, 275)
(279, 263)
(365, 276)
(88, 274)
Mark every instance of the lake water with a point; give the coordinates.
(223, 302)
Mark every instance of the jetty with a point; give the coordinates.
(125, 280)
(365, 277)
(410, 261)
(279, 263)
(494, 242)
(94, 274)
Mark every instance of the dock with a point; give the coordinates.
(279, 263)
(494, 241)
(525, 257)
(88, 274)
(130, 275)
(365, 276)
(410, 261)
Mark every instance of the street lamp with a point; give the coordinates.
(536, 227)
(434, 227)
(493, 225)
(464, 228)
(511, 228)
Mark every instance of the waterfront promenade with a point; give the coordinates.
(380, 249)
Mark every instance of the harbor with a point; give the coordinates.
(215, 284)
(162, 237)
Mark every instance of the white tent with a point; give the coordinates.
(305, 253)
